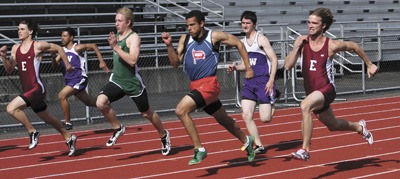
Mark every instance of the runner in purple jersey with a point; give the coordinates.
(317, 52)
(261, 88)
(27, 56)
(75, 81)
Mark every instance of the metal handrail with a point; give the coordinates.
(68, 3)
(335, 61)
(75, 14)
(187, 10)
(209, 10)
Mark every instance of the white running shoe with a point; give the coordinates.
(117, 133)
(365, 133)
(34, 139)
(301, 154)
(71, 145)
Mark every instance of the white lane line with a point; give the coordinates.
(212, 142)
(296, 112)
(206, 125)
(224, 165)
(376, 174)
(321, 165)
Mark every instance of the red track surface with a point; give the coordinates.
(137, 153)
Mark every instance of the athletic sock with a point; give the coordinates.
(164, 139)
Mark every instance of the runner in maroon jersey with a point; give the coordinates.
(317, 52)
(27, 57)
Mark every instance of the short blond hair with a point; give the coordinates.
(127, 13)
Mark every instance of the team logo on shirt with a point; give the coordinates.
(69, 58)
(253, 61)
(198, 55)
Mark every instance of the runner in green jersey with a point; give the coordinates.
(126, 80)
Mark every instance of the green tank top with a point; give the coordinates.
(125, 76)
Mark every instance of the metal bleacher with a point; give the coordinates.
(148, 13)
(294, 13)
(95, 18)
(281, 20)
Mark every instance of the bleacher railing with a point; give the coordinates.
(166, 86)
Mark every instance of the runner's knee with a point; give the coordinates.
(305, 107)
(180, 111)
(61, 96)
(266, 119)
(101, 104)
(247, 117)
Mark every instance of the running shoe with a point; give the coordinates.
(301, 154)
(68, 126)
(260, 150)
(248, 146)
(117, 133)
(71, 145)
(166, 144)
(34, 139)
(198, 157)
(365, 133)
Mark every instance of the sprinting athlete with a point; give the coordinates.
(126, 80)
(261, 88)
(76, 81)
(27, 57)
(317, 52)
(198, 51)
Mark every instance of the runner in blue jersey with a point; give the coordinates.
(198, 51)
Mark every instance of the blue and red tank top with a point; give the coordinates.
(200, 57)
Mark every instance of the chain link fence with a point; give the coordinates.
(166, 85)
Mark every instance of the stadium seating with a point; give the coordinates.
(291, 12)
(95, 19)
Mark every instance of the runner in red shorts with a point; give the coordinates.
(198, 51)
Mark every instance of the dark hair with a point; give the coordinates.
(70, 31)
(196, 13)
(326, 16)
(31, 26)
(249, 15)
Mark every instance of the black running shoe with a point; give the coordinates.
(69, 126)
(260, 150)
